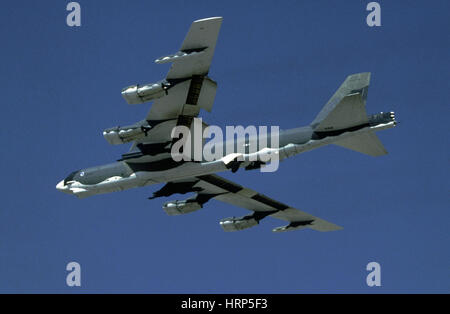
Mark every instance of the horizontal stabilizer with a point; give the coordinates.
(366, 143)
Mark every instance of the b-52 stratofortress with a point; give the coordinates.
(177, 101)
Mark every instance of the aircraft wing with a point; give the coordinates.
(185, 91)
(215, 187)
(200, 41)
(193, 90)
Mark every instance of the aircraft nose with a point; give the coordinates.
(61, 186)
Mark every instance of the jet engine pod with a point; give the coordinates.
(136, 94)
(237, 224)
(120, 135)
(174, 208)
(125, 134)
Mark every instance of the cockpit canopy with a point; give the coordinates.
(71, 176)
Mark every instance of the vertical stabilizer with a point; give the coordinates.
(347, 107)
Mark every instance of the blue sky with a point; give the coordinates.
(276, 63)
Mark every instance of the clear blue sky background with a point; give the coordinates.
(276, 63)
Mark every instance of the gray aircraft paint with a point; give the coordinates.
(91, 177)
(177, 100)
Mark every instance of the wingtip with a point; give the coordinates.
(215, 18)
(359, 75)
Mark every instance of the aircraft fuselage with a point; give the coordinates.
(145, 170)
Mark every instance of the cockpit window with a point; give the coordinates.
(70, 176)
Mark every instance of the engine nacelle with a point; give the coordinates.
(174, 208)
(125, 134)
(237, 224)
(136, 94)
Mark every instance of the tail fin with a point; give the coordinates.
(347, 109)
